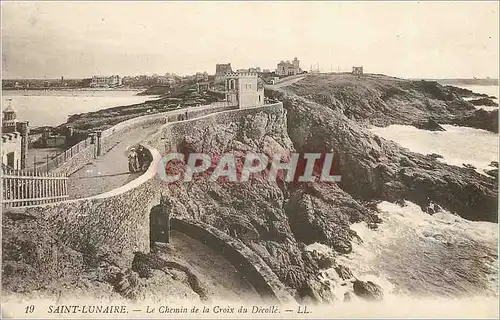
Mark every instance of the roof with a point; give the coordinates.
(9, 108)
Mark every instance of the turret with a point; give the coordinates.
(9, 119)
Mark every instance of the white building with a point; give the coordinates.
(244, 89)
(14, 140)
(105, 82)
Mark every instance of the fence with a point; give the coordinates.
(61, 158)
(21, 189)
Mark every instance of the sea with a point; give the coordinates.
(437, 265)
(428, 266)
(52, 107)
(492, 91)
(457, 145)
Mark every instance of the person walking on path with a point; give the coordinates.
(133, 165)
(140, 157)
(147, 159)
(144, 157)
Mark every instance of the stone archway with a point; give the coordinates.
(159, 223)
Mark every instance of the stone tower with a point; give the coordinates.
(296, 66)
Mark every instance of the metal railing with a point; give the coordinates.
(20, 189)
(55, 162)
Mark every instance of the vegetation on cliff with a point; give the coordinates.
(381, 100)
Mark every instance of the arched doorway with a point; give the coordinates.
(11, 159)
(232, 84)
(159, 224)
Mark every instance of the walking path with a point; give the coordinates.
(218, 278)
(285, 82)
(110, 170)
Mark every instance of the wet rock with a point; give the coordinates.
(318, 260)
(400, 202)
(347, 296)
(344, 272)
(430, 125)
(492, 172)
(432, 208)
(484, 102)
(368, 290)
(322, 213)
(469, 166)
(494, 164)
(435, 156)
(372, 226)
(317, 291)
(479, 119)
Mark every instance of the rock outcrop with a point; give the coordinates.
(479, 119)
(275, 219)
(381, 100)
(484, 102)
(374, 168)
(368, 290)
(430, 125)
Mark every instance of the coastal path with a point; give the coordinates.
(110, 170)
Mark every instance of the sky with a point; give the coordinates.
(403, 39)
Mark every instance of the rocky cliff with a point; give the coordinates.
(381, 100)
(278, 220)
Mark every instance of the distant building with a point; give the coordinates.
(54, 141)
(253, 70)
(288, 68)
(164, 80)
(357, 71)
(202, 87)
(201, 76)
(244, 89)
(105, 82)
(220, 70)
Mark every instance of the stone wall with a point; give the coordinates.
(173, 133)
(11, 142)
(117, 222)
(110, 137)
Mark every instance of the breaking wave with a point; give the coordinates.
(457, 145)
(439, 265)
